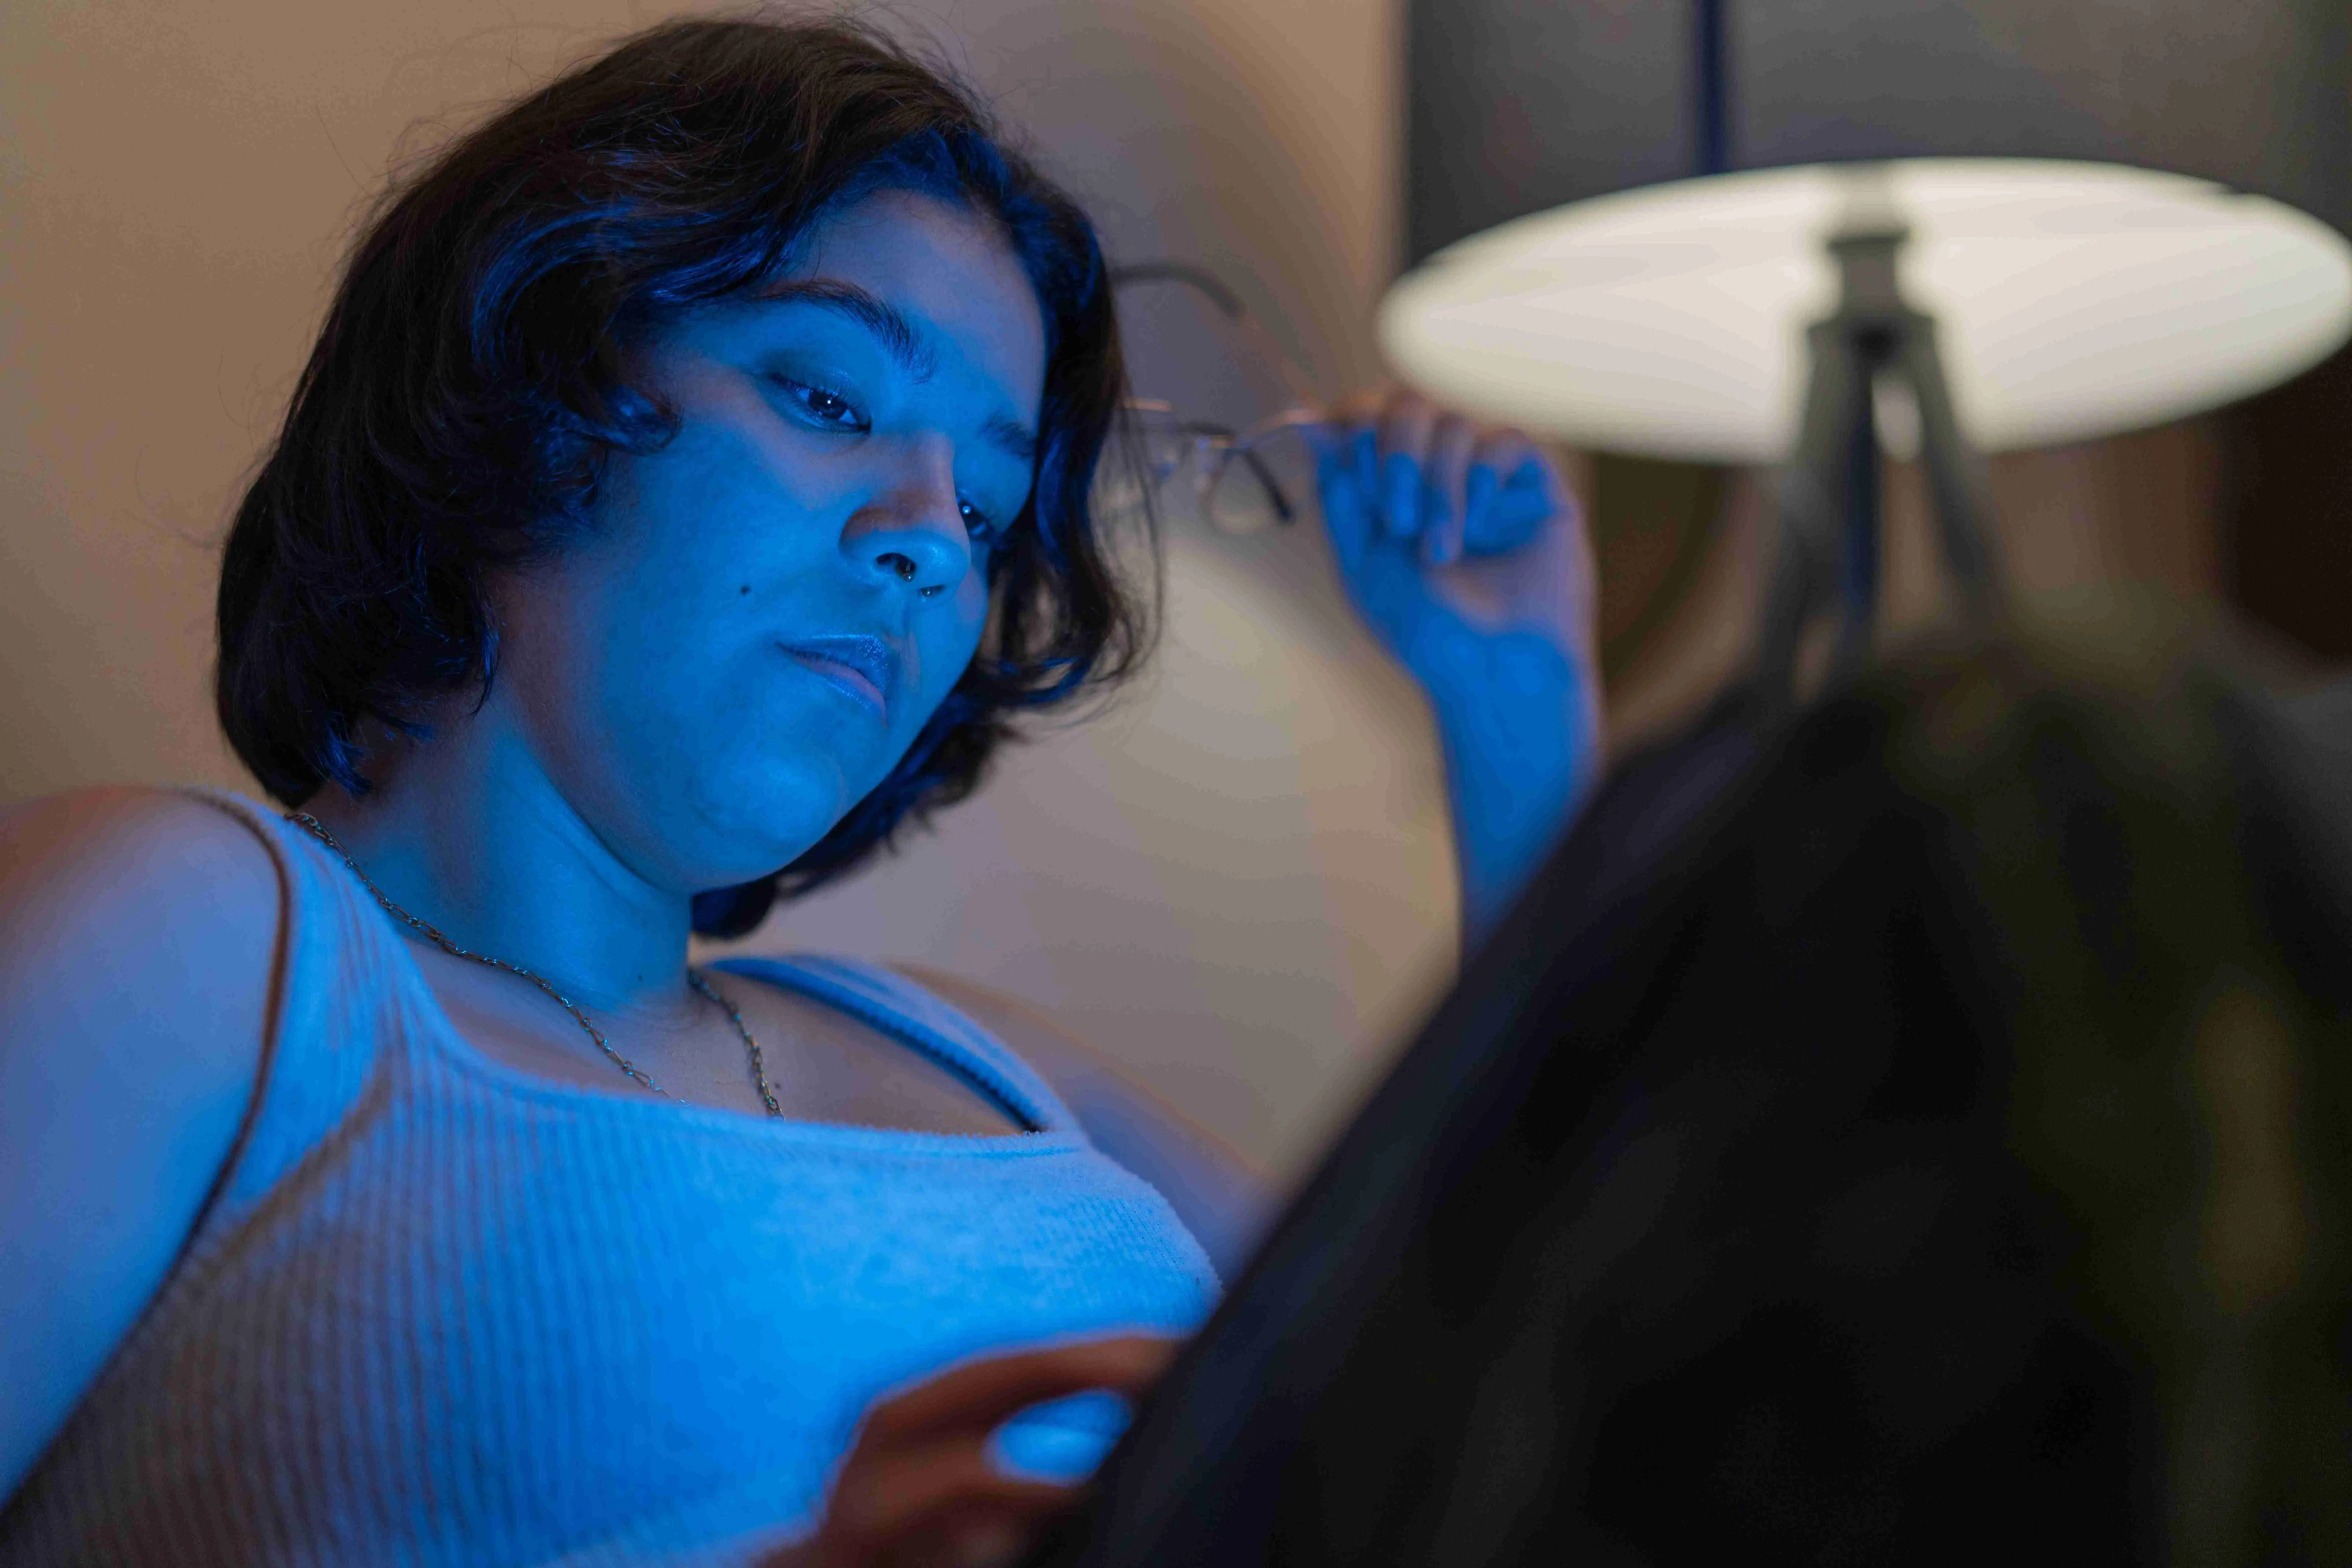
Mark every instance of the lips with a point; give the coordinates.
(863, 668)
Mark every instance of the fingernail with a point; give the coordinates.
(1404, 495)
(1435, 514)
(1478, 494)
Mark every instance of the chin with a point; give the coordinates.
(763, 814)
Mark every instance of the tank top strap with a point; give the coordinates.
(919, 1017)
(337, 1002)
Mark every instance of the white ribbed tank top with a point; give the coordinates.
(437, 1312)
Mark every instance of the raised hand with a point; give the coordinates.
(921, 1489)
(1436, 519)
(1461, 547)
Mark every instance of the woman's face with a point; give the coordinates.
(763, 614)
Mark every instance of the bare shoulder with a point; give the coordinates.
(135, 912)
(138, 942)
(130, 848)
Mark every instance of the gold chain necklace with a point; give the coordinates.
(318, 830)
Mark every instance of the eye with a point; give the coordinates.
(829, 409)
(981, 527)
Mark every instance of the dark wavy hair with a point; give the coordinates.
(467, 386)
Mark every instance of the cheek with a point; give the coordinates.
(647, 641)
(678, 523)
(948, 642)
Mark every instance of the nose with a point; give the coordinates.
(911, 535)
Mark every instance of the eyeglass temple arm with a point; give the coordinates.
(1301, 384)
(1199, 277)
(1224, 434)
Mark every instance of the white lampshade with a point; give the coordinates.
(1617, 207)
(2072, 299)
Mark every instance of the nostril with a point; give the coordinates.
(904, 565)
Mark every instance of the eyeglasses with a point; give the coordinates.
(1241, 480)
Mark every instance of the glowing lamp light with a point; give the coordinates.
(1810, 232)
(2072, 299)
(2119, 212)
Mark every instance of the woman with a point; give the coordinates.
(691, 479)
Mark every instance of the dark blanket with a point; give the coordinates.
(1914, 1133)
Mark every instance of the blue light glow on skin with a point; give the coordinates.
(749, 629)
(680, 704)
(761, 616)
(846, 449)
(1499, 638)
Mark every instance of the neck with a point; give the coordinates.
(467, 833)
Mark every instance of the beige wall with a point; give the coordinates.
(1237, 880)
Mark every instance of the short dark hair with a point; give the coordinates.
(467, 385)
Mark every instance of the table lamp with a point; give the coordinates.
(1805, 231)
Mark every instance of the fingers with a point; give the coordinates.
(890, 1505)
(921, 1486)
(1406, 427)
(1347, 512)
(978, 1396)
(1506, 453)
(1447, 483)
(945, 1507)
(1398, 468)
(1507, 496)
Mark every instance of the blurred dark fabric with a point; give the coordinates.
(1908, 1133)
(2286, 507)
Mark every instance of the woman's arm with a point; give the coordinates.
(137, 931)
(1462, 549)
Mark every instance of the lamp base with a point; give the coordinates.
(1831, 508)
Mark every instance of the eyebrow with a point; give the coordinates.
(904, 343)
(1013, 437)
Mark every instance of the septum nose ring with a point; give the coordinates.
(905, 567)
